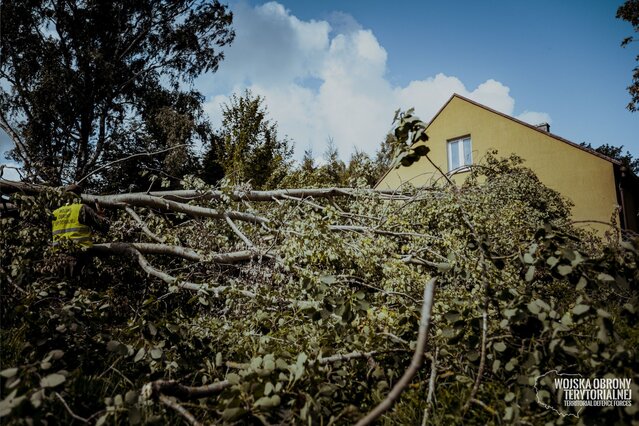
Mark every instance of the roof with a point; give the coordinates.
(559, 138)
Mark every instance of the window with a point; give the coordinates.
(459, 153)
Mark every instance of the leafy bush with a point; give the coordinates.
(320, 323)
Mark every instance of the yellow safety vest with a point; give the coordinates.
(67, 226)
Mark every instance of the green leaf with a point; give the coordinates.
(52, 380)
(508, 414)
(452, 316)
(605, 277)
(268, 388)
(580, 309)
(581, 284)
(113, 346)
(102, 420)
(444, 267)
(533, 307)
(269, 363)
(131, 397)
(267, 402)
(139, 355)
(233, 378)
(9, 372)
(422, 150)
(564, 270)
(232, 414)
(530, 273)
(499, 346)
(528, 258)
(328, 279)
(56, 354)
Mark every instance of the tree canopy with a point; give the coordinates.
(629, 11)
(616, 153)
(88, 82)
(247, 147)
(304, 305)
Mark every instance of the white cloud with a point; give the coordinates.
(534, 118)
(328, 80)
(321, 80)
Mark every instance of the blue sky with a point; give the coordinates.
(557, 61)
(338, 69)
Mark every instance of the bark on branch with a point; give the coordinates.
(416, 362)
(143, 226)
(191, 195)
(144, 200)
(183, 252)
(153, 390)
(130, 249)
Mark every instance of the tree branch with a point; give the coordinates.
(173, 388)
(416, 362)
(143, 226)
(144, 200)
(278, 194)
(183, 252)
(431, 386)
(181, 410)
(119, 160)
(124, 248)
(238, 232)
(71, 413)
(349, 356)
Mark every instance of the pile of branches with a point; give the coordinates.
(337, 305)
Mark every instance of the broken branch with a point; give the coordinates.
(416, 362)
(143, 226)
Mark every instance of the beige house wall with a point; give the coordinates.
(581, 176)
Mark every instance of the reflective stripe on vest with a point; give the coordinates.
(67, 226)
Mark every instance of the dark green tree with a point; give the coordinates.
(629, 11)
(616, 152)
(247, 148)
(87, 82)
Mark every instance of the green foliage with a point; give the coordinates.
(557, 299)
(629, 11)
(247, 147)
(616, 152)
(361, 171)
(410, 135)
(84, 83)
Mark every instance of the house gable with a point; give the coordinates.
(583, 176)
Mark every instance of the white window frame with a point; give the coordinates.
(458, 143)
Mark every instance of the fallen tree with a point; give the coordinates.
(315, 306)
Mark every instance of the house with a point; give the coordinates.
(463, 131)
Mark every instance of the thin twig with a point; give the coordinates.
(75, 416)
(143, 226)
(239, 233)
(349, 356)
(440, 170)
(431, 386)
(359, 282)
(180, 410)
(416, 362)
(484, 406)
(482, 361)
(139, 154)
(131, 249)
(174, 388)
